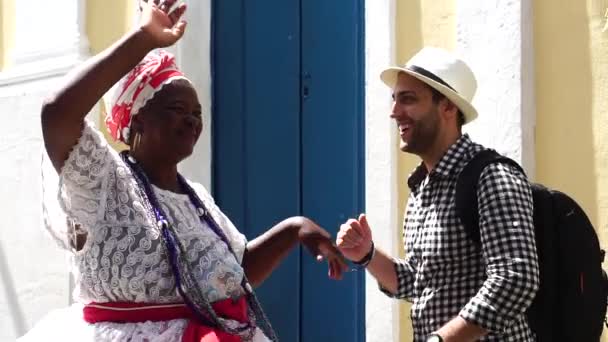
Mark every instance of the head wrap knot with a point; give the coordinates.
(137, 88)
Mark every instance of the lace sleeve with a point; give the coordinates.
(82, 176)
(238, 241)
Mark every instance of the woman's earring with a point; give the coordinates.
(136, 141)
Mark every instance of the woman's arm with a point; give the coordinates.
(265, 253)
(63, 112)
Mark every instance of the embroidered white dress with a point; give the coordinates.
(123, 258)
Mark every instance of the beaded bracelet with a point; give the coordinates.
(367, 258)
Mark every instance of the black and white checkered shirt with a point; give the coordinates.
(444, 274)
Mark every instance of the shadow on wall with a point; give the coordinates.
(409, 40)
(15, 313)
(2, 33)
(408, 32)
(565, 155)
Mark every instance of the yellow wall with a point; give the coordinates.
(572, 103)
(107, 21)
(418, 23)
(7, 31)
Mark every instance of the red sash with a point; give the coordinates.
(122, 312)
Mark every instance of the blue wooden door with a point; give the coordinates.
(288, 115)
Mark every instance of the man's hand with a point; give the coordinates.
(459, 330)
(162, 28)
(355, 238)
(355, 242)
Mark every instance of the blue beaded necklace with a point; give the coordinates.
(184, 281)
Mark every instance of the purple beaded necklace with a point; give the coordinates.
(184, 281)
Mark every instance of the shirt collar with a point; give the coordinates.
(450, 163)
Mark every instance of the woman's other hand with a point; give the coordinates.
(319, 243)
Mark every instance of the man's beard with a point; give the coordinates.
(423, 135)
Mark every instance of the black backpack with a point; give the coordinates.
(571, 302)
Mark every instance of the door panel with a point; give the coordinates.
(288, 140)
(332, 156)
(256, 161)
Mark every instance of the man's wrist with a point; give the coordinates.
(434, 337)
(367, 258)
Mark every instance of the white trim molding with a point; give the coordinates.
(496, 38)
(193, 54)
(46, 45)
(382, 317)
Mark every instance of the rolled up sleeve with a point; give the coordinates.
(405, 280)
(508, 247)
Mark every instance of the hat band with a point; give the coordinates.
(428, 74)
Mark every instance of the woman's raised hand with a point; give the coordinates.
(162, 28)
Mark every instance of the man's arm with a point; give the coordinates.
(395, 277)
(460, 330)
(509, 252)
(382, 267)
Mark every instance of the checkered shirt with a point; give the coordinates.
(444, 274)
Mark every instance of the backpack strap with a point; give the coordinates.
(467, 207)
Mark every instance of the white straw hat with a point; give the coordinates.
(442, 71)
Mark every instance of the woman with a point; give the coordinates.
(155, 259)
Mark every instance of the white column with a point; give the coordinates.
(496, 37)
(49, 40)
(381, 313)
(34, 278)
(194, 58)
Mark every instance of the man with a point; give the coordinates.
(460, 292)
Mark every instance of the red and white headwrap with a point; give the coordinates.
(137, 88)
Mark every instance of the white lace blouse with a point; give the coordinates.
(123, 258)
